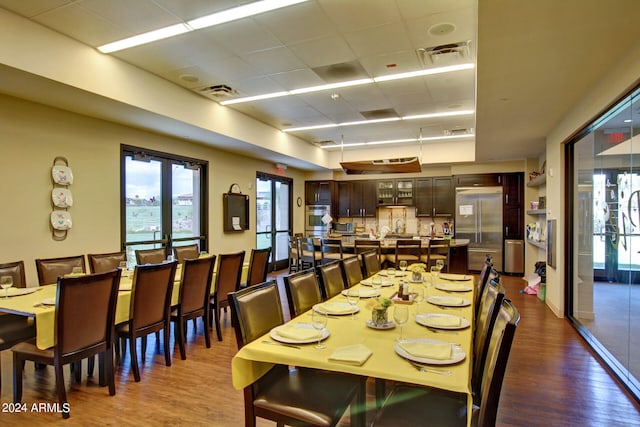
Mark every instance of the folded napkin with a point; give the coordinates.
(444, 300)
(446, 321)
(355, 354)
(295, 333)
(427, 351)
(365, 293)
(336, 308)
(453, 286)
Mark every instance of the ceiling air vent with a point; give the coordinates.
(458, 132)
(220, 91)
(444, 53)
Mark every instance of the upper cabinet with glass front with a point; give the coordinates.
(394, 192)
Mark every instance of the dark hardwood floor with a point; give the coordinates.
(553, 379)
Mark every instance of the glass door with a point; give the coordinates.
(273, 217)
(163, 202)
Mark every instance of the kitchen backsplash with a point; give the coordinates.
(399, 220)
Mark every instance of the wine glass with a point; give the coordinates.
(353, 296)
(376, 283)
(435, 273)
(403, 265)
(319, 322)
(440, 264)
(418, 292)
(400, 316)
(5, 283)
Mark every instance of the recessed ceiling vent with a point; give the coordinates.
(341, 72)
(458, 131)
(217, 92)
(444, 53)
(384, 113)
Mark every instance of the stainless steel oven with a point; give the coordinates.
(314, 224)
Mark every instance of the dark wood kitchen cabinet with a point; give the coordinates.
(478, 180)
(356, 198)
(318, 192)
(513, 206)
(395, 192)
(434, 196)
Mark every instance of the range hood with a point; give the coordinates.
(400, 165)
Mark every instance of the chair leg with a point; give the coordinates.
(91, 361)
(107, 362)
(217, 320)
(167, 352)
(207, 333)
(143, 347)
(134, 358)
(76, 368)
(18, 368)
(180, 336)
(60, 387)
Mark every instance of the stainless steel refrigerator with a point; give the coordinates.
(479, 219)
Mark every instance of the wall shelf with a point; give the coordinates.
(541, 245)
(537, 212)
(537, 181)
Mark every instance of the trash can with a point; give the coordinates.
(514, 256)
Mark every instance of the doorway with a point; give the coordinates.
(274, 222)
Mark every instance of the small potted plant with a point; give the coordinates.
(416, 271)
(379, 306)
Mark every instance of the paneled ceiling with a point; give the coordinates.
(535, 60)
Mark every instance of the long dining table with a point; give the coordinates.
(385, 362)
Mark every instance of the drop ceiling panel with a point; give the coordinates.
(355, 15)
(295, 79)
(191, 9)
(382, 65)
(274, 60)
(244, 36)
(304, 21)
(383, 39)
(418, 29)
(327, 50)
(32, 8)
(418, 8)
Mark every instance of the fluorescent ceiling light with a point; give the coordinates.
(389, 119)
(395, 141)
(217, 18)
(240, 12)
(358, 82)
(140, 39)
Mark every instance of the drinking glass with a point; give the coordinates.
(440, 264)
(391, 272)
(5, 283)
(418, 292)
(403, 265)
(376, 283)
(319, 322)
(435, 273)
(400, 316)
(353, 296)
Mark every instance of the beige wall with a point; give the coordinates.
(32, 135)
(621, 77)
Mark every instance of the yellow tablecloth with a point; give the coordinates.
(256, 358)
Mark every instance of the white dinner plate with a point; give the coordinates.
(367, 282)
(398, 273)
(49, 301)
(455, 277)
(274, 335)
(14, 292)
(453, 287)
(458, 353)
(340, 306)
(425, 320)
(365, 293)
(389, 325)
(444, 301)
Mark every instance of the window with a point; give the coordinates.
(163, 201)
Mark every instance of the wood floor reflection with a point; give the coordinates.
(552, 379)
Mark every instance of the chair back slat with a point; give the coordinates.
(49, 269)
(150, 256)
(99, 263)
(186, 252)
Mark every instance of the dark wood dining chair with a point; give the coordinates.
(290, 396)
(302, 291)
(409, 405)
(437, 250)
(84, 317)
(181, 253)
(482, 281)
(309, 255)
(13, 327)
(193, 300)
(150, 256)
(406, 250)
(99, 263)
(364, 245)
(149, 309)
(370, 262)
(352, 271)
(258, 266)
(294, 254)
(228, 278)
(331, 279)
(49, 269)
(490, 301)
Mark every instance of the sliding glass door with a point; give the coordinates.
(163, 201)
(273, 217)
